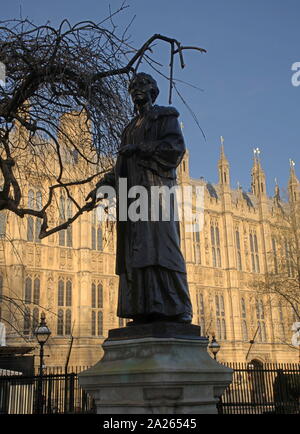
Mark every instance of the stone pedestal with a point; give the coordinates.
(159, 368)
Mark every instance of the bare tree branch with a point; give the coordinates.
(63, 108)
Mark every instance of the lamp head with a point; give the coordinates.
(42, 332)
(214, 346)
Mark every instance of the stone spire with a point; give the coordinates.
(294, 184)
(258, 183)
(223, 166)
(276, 192)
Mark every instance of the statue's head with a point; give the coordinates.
(141, 87)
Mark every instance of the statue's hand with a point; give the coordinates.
(128, 150)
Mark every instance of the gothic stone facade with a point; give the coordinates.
(70, 276)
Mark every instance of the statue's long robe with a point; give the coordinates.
(149, 260)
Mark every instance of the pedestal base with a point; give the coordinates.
(156, 375)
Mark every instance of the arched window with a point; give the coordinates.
(39, 200)
(96, 232)
(99, 238)
(96, 311)
(28, 290)
(69, 293)
(27, 321)
(197, 247)
(238, 250)
(65, 237)
(93, 295)
(260, 314)
(100, 323)
(64, 300)
(62, 210)
(60, 322)
(69, 236)
(31, 204)
(30, 230)
(254, 252)
(214, 256)
(222, 305)
(220, 314)
(93, 238)
(215, 242)
(219, 329)
(38, 225)
(217, 305)
(62, 218)
(36, 291)
(2, 223)
(93, 323)
(60, 298)
(69, 229)
(289, 262)
(34, 224)
(68, 322)
(224, 337)
(218, 247)
(100, 295)
(35, 318)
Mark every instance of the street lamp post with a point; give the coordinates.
(214, 347)
(42, 333)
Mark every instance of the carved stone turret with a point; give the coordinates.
(294, 184)
(223, 166)
(258, 176)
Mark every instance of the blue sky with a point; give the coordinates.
(246, 75)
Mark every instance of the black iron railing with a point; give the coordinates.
(51, 393)
(268, 389)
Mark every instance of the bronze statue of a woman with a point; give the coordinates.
(153, 282)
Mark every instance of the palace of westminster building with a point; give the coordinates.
(70, 275)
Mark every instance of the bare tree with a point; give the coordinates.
(64, 101)
(282, 281)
